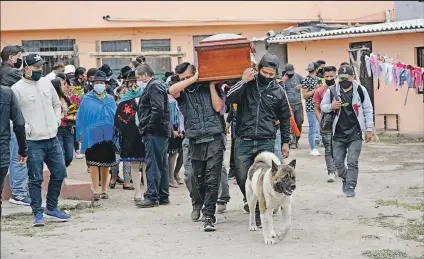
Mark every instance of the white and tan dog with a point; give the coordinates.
(271, 184)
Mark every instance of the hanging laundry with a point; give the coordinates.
(387, 69)
(368, 65)
(374, 66)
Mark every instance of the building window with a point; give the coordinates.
(52, 46)
(196, 41)
(116, 46)
(420, 57)
(159, 65)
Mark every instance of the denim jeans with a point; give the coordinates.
(352, 150)
(188, 170)
(18, 174)
(66, 139)
(329, 161)
(313, 129)
(3, 172)
(50, 152)
(157, 168)
(224, 188)
(277, 146)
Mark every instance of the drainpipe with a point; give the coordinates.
(344, 36)
(387, 17)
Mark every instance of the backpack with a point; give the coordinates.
(326, 123)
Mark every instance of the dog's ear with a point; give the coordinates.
(292, 163)
(274, 167)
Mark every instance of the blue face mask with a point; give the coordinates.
(99, 88)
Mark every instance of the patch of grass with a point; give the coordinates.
(385, 254)
(414, 230)
(370, 237)
(407, 206)
(21, 223)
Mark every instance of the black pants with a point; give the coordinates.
(206, 175)
(298, 117)
(245, 152)
(76, 143)
(3, 172)
(232, 171)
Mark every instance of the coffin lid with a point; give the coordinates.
(223, 39)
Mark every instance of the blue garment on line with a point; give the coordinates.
(95, 120)
(405, 75)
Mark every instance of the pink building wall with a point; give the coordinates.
(386, 99)
(89, 14)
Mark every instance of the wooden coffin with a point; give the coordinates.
(223, 57)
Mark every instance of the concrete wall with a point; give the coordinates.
(49, 15)
(181, 36)
(387, 100)
(408, 10)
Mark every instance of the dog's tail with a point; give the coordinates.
(267, 158)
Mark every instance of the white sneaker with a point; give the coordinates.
(331, 177)
(78, 155)
(314, 152)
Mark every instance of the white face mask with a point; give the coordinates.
(141, 84)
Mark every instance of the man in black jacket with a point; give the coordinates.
(10, 73)
(9, 110)
(155, 128)
(260, 103)
(202, 106)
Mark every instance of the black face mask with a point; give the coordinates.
(345, 84)
(264, 80)
(330, 82)
(290, 76)
(321, 71)
(18, 63)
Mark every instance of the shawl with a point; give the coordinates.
(95, 120)
(176, 117)
(131, 95)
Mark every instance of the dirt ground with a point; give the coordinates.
(385, 220)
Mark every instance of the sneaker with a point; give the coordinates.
(38, 220)
(350, 191)
(78, 155)
(246, 207)
(164, 202)
(209, 225)
(57, 215)
(20, 200)
(221, 207)
(146, 203)
(314, 152)
(195, 214)
(343, 186)
(331, 177)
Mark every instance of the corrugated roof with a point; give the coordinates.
(381, 27)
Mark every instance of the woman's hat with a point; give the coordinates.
(100, 76)
(131, 76)
(106, 69)
(124, 72)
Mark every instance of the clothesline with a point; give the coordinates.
(394, 71)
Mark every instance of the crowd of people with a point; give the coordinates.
(155, 126)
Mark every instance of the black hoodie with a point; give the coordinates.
(259, 107)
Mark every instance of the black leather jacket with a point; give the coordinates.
(153, 110)
(10, 111)
(9, 75)
(258, 111)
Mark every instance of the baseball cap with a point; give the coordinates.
(69, 69)
(345, 70)
(289, 69)
(34, 60)
(312, 66)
